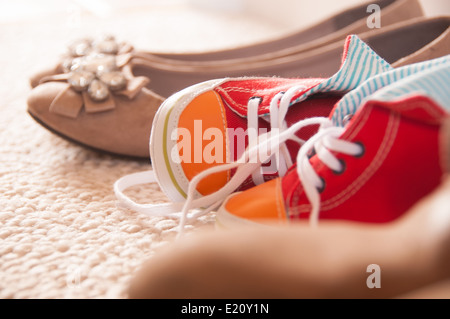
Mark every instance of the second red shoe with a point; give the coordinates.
(373, 169)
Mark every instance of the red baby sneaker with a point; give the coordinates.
(373, 169)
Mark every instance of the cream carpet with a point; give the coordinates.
(61, 234)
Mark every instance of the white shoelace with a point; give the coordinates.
(278, 109)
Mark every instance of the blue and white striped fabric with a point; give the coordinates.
(433, 83)
(360, 63)
(430, 78)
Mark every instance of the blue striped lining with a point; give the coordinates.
(352, 100)
(360, 64)
(433, 83)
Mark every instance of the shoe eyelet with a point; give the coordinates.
(322, 188)
(347, 119)
(311, 153)
(256, 98)
(343, 169)
(363, 150)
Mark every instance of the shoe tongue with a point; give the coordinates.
(359, 62)
(393, 85)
